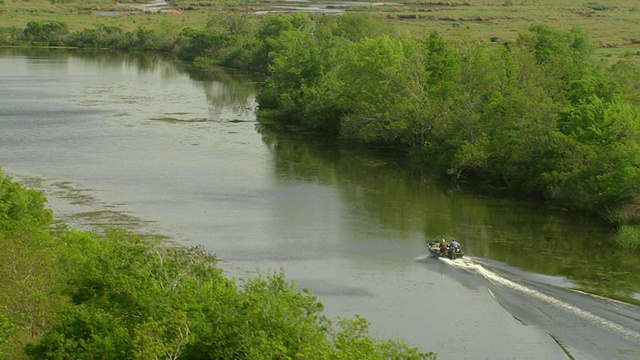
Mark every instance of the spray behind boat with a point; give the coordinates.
(584, 326)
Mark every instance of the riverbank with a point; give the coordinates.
(443, 108)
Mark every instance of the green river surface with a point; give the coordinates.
(154, 145)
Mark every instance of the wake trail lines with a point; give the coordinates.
(495, 278)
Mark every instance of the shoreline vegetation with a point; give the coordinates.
(538, 113)
(116, 295)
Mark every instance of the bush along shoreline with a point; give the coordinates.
(115, 295)
(540, 116)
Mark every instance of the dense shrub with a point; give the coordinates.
(19, 206)
(11, 35)
(46, 33)
(540, 116)
(102, 37)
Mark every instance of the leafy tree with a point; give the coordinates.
(48, 33)
(611, 130)
(268, 32)
(387, 105)
(295, 64)
(442, 64)
(273, 26)
(564, 54)
(19, 205)
(161, 38)
(135, 299)
(166, 33)
(125, 301)
(549, 43)
(28, 275)
(543, 163)
(353, 343)
(11, 35)
(192, 43)
(104, 36)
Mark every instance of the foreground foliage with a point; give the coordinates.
(73, 294)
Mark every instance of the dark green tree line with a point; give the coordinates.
(540, 115)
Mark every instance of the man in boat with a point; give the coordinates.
(443, 247)
(454, 247)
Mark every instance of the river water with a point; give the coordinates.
(146, 143)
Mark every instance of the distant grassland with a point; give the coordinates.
(607, 22)
(614, 26)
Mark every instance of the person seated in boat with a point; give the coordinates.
(454, 246)
(443, 246)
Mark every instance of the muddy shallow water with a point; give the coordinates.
(149, 144)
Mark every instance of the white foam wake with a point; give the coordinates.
(495, 278)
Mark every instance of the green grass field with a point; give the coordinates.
(614, 26)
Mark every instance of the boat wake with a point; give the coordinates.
(584, 326)
(496, 279)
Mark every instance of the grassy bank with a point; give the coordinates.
(629, 237)
(612, 26)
